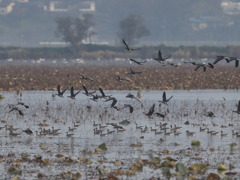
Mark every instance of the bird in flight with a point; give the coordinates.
(204, 66)
(132, 72)
(164, 98)
(150, 112)
(138, 62)
(84, 78)
(122, 79)
(128, 106)
(234, 59)
(160, 59)
(133, 97)
(60, 93)
(127, 47)
(72, 94)
(114, 101)
(238, 108)
(86, 91)
(219, 58)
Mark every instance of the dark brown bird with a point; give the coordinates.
(72, 94)
(138, 62)
(60, 93)
(160, 59)
(164, 98)
(87, 93)
(127, 47)
(238, 108)
(204, 66)
(132, 72)
(114, 101)
(150, 112)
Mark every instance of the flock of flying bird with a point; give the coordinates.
(94, 96)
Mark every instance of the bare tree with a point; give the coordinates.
(132, 28)
(74, 30)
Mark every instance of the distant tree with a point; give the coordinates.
(132, 28)
(74, 30)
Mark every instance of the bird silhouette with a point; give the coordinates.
(59, 92)
(72, 94)
(133, 97)
(132, 72)
(138, 62)
(160, 59)
(220, 58)
(84, 78)
(128, 106)
(238, 108)
(164, 98)
(150, 112)
(122, 79)
(87, 93)
(204, 66)
(127, 47)
(114, 101)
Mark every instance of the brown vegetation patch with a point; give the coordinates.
(158, 77)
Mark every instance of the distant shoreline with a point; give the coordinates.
(94, 52)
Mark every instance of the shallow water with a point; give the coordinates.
(57, 112)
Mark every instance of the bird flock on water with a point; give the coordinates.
(93, 95)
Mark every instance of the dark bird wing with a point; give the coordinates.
(169, 99)
(151, 110)
(210, 65)
(85, 89)
(198, 66)
(236, 63)
(72, 92)
(160, 115)
(127, 47)
(101, 91)
(219, 58)
(64, 90)
(164, 97)
(114, 102)
(58, 89)
(167, 57)
(238, 107)
(160, 55)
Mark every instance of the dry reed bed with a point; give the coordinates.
(43, 77)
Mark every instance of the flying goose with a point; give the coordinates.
(164, 98)
(204, 66)
(72, 94)
(86, 91)
(132, 72)
(122, 79)
(60, 93)
(127, 47)
(238, 108)
(160, 59)
(150, 112)
(114, 101)
(84, 78)
(138, 62)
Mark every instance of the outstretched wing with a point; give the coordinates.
(164, 98)
(238, 108)
(101, 91)
(58, 89)
(160, 54)
(85, 89)
(151, 110)
(125, 44)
